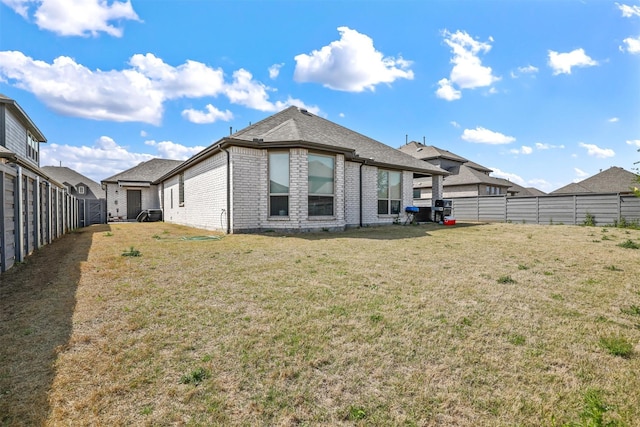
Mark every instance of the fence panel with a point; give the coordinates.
(630, 208)
(491, 208)
(523, 210)
(465, 209)
(9, 223)
(605, 209)
(32, 213)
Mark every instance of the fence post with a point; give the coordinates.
(619, 207)
(3, 246)
(538, 210)
(36, 212)
(19, 220)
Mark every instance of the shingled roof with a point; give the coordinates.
(466, 175)
(612, 180)
(428, 152)
(296, 127)
(148, 171)
(66, 175)
(23, 117)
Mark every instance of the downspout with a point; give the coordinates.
(228, 189)
(361, 208)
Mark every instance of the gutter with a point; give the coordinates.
(228, 189)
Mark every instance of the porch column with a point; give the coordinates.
(437, 192)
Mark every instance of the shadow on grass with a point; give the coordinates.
(377, 232)
(37, 302)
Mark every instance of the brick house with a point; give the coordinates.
(292, 171)
(466, 178)
(131, 191)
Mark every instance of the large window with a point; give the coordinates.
(389, 192)
(181, 189)
(321, 184)
(279, 184)
(32, 147)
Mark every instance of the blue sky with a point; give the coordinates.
(542, 92)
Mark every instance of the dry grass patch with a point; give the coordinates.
(383, 326)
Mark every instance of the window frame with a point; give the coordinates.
(80, 189)
(389, 211)
(272, 195)
(33, 147)
(181, 189)
(316, 195)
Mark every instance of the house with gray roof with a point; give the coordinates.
(91, 197)
(466, 178)
(20, 138)
(133, 190)
(292, 171)
(612, 180)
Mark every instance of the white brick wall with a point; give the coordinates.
(205, 189)
(117, 199)
(205, 194)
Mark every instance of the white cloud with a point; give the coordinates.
(580, 173)
(135, 94)
(171, 150)
(635, 142)
(341, 115)
(595, 151)
(210, 116)
(522, 150)
(628, 11)
(613, 120)
(351, 64)
(541, 184)
(76, 17)
(143, 133)
(509, 176)
(468, 71)
(632, 45)
(529, 69)
(545, 146)
(102, 160)
(486, 136)
(274, 71)
(447, 91)
(562, 63)
(454, 124)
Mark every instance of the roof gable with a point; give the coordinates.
(148, 171)
(69, 176)
(612, 180)
(298, 125)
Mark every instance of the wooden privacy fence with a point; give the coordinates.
(602, 209)
(34, 212)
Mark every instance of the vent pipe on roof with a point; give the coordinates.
(424, 140)
(230, 130)
(406, 138)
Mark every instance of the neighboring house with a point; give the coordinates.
(19, 136)
(612, 180)
(77, 184)
(518, 190)
(92, 206)
(466, 177)
(292, 171)
(34, 208)
(131, 191)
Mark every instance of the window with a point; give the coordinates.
(32, 147)
(416, 193)
(321, 184)
(80, 189)
(181, 189)
(278, 184)
(389, 192)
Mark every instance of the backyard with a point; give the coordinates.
(471, 325)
